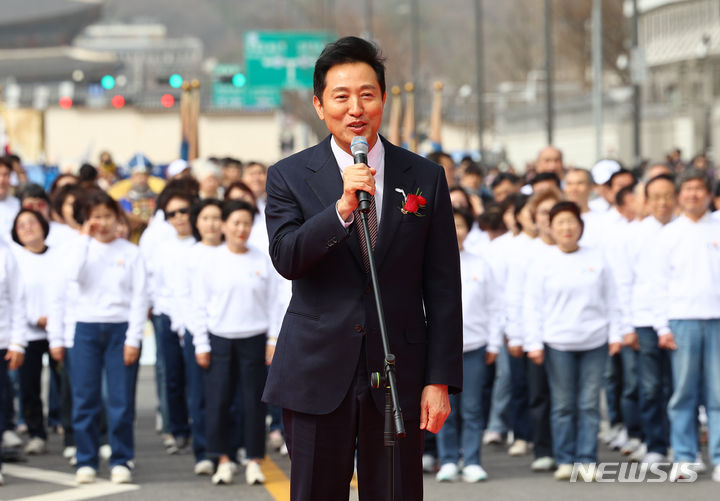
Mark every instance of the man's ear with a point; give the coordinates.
(318, 108)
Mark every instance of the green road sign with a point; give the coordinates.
(283, 59)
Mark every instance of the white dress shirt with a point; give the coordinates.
(376, 160)
(36, 272)
(687, 271)
(571, 301)
(9, 207)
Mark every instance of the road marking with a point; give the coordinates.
(278, 484)
(77, 493)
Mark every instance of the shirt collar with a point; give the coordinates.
(344, 159)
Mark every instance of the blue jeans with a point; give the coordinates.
(630, 392)
(695, 367)
(174, 362)
(520, 401)
(655, 377)
(500, 419)
(576, 378)
(613, 390)
(99, 346)
(195, 379)
(468, 407)
(160, 387)
(3, 396)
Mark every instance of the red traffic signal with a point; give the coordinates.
(167, 100)
(118, 101)
(65, 102)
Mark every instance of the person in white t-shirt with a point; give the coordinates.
(233, 294)
(687, 320)
(9, 205)
(482, 337)
(35, 261)
(111, 313)
(571, 314)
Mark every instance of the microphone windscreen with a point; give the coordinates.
(359, 145)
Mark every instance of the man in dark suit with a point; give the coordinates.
(330, 342)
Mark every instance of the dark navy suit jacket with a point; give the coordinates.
(332, 306)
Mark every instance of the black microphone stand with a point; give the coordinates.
(394, 426)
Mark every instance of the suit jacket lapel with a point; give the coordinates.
(326, 182)
(397, 175)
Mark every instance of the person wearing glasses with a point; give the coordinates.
(164, 264)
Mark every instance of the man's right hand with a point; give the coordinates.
(516, 351)
(357, 177)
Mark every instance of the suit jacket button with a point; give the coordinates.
(331, 242)
(358, 328)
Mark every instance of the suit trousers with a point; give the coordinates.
(322, 450)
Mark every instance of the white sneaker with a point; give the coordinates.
(120, 474)
(428, 463)
(35, 445)
(69, 452)
(563, 472)
(610, 433)
(473, 473)
(492, 437)
(545, 463)
(85, 475)
(105, 451)
(284, 450)
(654, 458)
(448, 473)
(630, 446)
(620, 440)
(204, 467)
(518, 448)
(242, 456)
(171, 446)
(275, 439)
(223, 474)
(158, 422)
(639, 454)
(253, 473)
(11, 439)
(699, 465)
(715, 476)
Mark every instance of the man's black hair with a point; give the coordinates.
(620, 172)
(620, 197)
(545, 176)
(505, 176)
(33, 190)
(348, 50)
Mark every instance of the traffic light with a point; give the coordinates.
(65, 102)
(107, 82)
(175, 81)
(167, 100)
(118, 101)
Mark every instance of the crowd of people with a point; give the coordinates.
(578, 286)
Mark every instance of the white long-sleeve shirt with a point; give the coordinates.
(63, 296)
(571, 301)
(497, 253)
(687, 271)
(36, 272)
(233, 296)
(111, 284)
(9, 207)
(166, 265)
(481, 303)
(12, 302)
(190, 263)
(634, 269)
(157, 232)
(524, 251)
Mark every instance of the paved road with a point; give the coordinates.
(162, 477)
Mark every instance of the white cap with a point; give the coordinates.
(603, 170)
(176, 167)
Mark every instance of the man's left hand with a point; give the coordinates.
(434, 407)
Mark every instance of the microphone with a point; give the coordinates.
(359, 149)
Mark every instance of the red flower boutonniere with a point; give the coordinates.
(413, 203)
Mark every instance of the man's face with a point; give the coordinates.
(37, 204)
(139, 179)
(694, 198)
(4, 181)
(619, 182)
(661, 200)
(577, 187)
(550, 160)
(352, 103)
(503, 190)
(255, 177)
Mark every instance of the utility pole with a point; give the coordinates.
(636, 60)
(549, 71)
(597, 51)
(479, 69)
